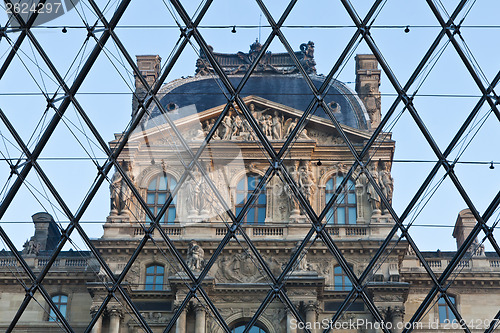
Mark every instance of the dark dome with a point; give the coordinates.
(205, 92)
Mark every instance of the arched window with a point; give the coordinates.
(158, 191)
(239, 328)
(154, 277)
(345, 211)
(341, 281)
(445, 313)
(257, 211)
(61, 302)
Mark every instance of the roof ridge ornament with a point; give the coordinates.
(270, 63)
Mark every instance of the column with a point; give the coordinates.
(398, 313)
(200, 319)
(97, 326)
(311, 315)
(180, 325)
(289, 317)
(114, 321)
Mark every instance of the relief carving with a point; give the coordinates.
(241, 268)
(120, 192)
(195, 257)
(197, 195)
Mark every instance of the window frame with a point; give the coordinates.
(349, 191)
(155, 286)
(243, 323)
(346, 284)
(154, 206)
(51, 317)
(259, 205)
(449, 316)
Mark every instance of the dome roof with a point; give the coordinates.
(201, 93)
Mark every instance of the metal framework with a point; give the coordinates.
(188, 28)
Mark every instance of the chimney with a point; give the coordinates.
(47, 234)
(464, 225)
(150, 67)
(367, 86)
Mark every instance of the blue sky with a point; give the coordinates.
(445, 96)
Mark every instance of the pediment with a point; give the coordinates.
(276, 121)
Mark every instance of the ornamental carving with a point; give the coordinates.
(121, 194)
(234, 127)
(243, 268)
(195, 257)
(269, 63)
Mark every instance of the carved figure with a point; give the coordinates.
(269, 124)
(290, 125)
(264, 124)
(120, 192)
(371, 98)
(200, 135)
(237, 126)
(32, 247)
(306, 182)
(308, 61)
(276, 126)
(302, 266)
(195, 256)
(197, 198)
(373, 197)
(216, 133)
(386, 182)
(293, 204)
(206, 127)
(227, 123)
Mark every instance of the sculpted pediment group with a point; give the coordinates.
(275, 120)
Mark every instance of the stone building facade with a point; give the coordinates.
(195, 222)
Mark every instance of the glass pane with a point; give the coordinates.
(152, 211)
(151, 198)
(329, 217)
(347, 282)
(159, 269)
(442, 313)
(52, 315)
(338, 282)
(262, 215)
(352, 215)
(241, 185)
(162, 197)
(251, 215)
(163, 184)
(152, 185)
(341, 215)
(150, 270)
(262, 198)
(159, 282)
(171, 215)
(341, 198)
(339, 180)
(62, 309)
(351, 197)
(252, 183)
(329, 186)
